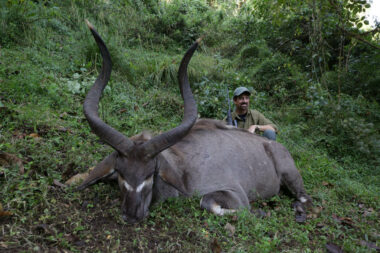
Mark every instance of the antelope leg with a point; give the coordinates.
(222, 202)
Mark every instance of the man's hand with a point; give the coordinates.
(262, 128)
(253, 128)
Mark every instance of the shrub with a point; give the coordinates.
(16, 17)
(346, 128)
(254, 52)
(183, 21)
(361, 75)
(211, 98)
(278, 76)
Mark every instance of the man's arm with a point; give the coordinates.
(261, 128)
(262, 123)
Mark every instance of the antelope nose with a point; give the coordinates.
(131, 220)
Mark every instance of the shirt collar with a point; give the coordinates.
(235, 115)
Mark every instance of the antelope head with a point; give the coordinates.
(134, 160)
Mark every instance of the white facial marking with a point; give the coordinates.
(140, 187)
(149, 181)
(303, 200)
(127, 186)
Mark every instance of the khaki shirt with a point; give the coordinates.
(253, 117)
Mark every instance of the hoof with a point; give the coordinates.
(299, 212)
(300, 217)
(259, 213)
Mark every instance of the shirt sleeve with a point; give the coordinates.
(262, 120)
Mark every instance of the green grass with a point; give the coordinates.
(43, 81)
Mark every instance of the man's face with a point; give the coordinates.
(242, 102)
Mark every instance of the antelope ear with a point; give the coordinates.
(171, 176)
(102, 170)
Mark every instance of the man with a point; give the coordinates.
(251, 120)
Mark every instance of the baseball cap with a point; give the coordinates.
(240, 90)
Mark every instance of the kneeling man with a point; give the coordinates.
(252, 120)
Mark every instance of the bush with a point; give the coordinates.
(278, 76)
(254, 52)
(348, 128)
(16, 17)
(183, 21)
(360, 76)
(211, 98)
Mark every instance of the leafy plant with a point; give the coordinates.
(212, 98)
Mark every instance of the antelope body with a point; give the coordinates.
(228, 167)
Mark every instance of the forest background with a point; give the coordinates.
(312, 66)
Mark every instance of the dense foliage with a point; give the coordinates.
(312, 67)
